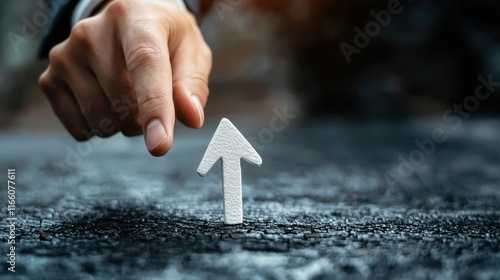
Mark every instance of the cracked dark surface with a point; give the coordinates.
(318, 208)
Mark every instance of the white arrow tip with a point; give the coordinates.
(227, 142)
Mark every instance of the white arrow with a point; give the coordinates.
(229, 145)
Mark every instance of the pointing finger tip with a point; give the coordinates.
(157, 138)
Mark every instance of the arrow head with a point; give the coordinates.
(227, 143)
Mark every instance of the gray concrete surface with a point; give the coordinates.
(319, 207)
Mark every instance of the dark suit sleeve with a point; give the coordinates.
(59, 27)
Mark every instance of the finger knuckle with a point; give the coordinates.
(149, 105)
(44, 83)
(53, 54)
(119, 8)
(81, 34)
(141, 55)
(56, 57)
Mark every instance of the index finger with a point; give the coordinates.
(148, 63)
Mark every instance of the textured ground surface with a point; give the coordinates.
(319, 207)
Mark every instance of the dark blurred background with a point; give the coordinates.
(426, 58)
(279, 53)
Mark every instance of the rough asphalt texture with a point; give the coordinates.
(319, 207)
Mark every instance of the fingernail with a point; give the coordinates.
(198, 105)
(155, 134)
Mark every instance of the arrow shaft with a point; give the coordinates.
(231, 188)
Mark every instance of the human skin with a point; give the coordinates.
(133, 68)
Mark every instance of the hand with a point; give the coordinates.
(133, 68)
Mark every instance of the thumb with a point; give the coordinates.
(190, 96)
(191, 67)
